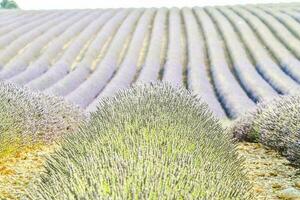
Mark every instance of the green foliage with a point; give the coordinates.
(8, 4)
(276, 124)
(148, 142)
(27, 117)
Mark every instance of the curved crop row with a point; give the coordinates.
(17, 22)
(287, 61)
(43, 62)
(14, 47)
(293, 13)
(128, 68)
(8, 34)
(7, 18)
(288, 21)
(174, 60)
(197, 64)
(230, 93)
(150, 71)
(253, 83)
(279, 30)
(32, 50)
(63, 64)
(232, 57)
(264, 63)
(84, 68)
(149, 142)
(19, 32)
(88, 90)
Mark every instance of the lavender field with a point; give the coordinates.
(242, 63)
(232, 57)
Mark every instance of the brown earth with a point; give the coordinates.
(271, 174)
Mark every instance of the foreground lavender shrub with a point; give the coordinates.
(147, 142)
(33, 117)
(274, 123)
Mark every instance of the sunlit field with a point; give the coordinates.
(150, 103)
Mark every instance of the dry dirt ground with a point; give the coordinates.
(271, 174)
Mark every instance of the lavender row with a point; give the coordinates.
(8, 36)
(18, 44)
(33, 49)
(89, 89)
(128, 68)
(288, 21)
(18, 21)
(84, 68)
(278, 29)
(44, 61)
(151, 67)
(173, 68)
(264, 62)
(286, 61)
(197, 74)
(63, 65)
(253, 83)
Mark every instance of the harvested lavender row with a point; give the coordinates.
(151, 67)
(124, 76)
(32, 50)
(89, 89)
(62, 65)
(72, 80)
(174, 61)
(289, 63)
(43, 62)
(266, 66)
(230, 93)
